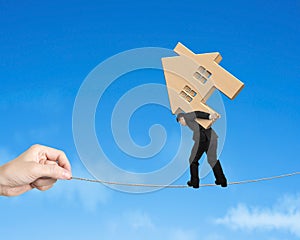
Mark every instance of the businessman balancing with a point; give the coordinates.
(191, 79)
(205, 140)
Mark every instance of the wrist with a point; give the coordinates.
(1, 181)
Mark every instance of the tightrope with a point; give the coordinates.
(184, 186)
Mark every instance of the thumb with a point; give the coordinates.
(51, 171)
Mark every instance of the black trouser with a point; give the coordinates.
(207, 146)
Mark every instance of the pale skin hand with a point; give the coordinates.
(38, 167)
(213, 116)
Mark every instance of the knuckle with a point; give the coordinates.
(35, 147)
(62, 153)
(42, 188)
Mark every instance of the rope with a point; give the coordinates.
(184, 186)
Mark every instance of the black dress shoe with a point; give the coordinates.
(194, 184)
(222, 183)
(219, 175)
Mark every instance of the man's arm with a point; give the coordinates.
(191, 116)
(203, 115)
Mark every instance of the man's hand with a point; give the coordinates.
(38, 167)
(213, 116)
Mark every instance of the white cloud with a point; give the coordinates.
(139, 220)
(137, 224)
(284, 216)
(183, 234)
(214, 236)
(88, 195)
(134, 224)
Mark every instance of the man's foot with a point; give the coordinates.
(223, 183)
(194, 184)
(219, 175)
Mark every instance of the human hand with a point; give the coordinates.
(213, 116)
(38, 167)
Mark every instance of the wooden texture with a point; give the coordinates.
(192, 78)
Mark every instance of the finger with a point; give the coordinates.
(59, 156)
(44, 181)
(44, 188)
(41, 182)
(51, 171)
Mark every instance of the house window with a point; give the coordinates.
(202, 75)
(183, 94)
(187, 89)
(193, 93)
(188, 93)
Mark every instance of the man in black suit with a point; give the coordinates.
(206, 140)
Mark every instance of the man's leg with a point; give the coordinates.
(214, 163)
(197, 151)
(219, 175)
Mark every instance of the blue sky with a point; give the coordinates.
(49, 47)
